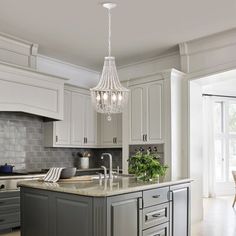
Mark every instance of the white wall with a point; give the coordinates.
(227, 88)
(77, 75)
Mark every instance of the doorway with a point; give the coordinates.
(212, 138)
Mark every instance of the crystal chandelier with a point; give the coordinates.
(109, 96)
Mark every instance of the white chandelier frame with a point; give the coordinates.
(109, 96)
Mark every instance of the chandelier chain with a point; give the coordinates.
(109, 34)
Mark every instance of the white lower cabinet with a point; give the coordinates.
(79, 127)
(111, 131)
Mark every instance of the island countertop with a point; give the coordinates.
(102, 188)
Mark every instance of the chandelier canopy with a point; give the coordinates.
(109, 96)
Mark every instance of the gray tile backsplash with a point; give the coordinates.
(21, 144)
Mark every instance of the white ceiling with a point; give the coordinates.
(76, 30)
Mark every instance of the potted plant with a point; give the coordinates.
(146, 166)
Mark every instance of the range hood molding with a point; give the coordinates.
(28, 91)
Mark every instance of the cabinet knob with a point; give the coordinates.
(56, 138)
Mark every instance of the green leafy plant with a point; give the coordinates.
(146, 166)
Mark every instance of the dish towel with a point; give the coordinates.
(53, 174)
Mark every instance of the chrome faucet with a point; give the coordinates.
(110, 163)
(105, 171)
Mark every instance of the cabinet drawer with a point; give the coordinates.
(9, 201)
(9, 194)
(9, 218)
(155, 196)
(9, 209)
(161, 230)
(156, 215)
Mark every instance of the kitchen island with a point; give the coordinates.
(123, 206)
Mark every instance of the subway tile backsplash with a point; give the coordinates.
(21, 144)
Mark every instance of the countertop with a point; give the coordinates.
(102, 188)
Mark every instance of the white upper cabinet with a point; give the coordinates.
(137, 113)
(79, 127)
(62, 128)
(90, 123)
(146, 103)
(154, 112)
(77, 119)
(111, 131)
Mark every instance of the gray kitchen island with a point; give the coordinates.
(123, 206)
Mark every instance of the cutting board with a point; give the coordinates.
(76, 179)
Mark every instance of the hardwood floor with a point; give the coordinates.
(219, 219)
(15, 233)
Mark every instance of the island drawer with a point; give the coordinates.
(9, 218)
(10, 209)
(156, 215)
(155, 196)
(9, 201)
(160, 230)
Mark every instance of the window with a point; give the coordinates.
(225, 139)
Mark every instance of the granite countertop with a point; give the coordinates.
(101, 188)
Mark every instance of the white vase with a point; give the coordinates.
(84, 162)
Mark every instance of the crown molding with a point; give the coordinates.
(76, 67)
(149, 60)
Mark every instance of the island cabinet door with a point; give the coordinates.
(124, 215)
(180, 210)
(35, 213)
(72, 215)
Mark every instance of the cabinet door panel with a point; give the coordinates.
(111, 131)
(119, 129)
(154, 111)
(137, 117)
(77, 119)
(90, 123)
(124, 216)
(180, 218)
(73, 217)
(108, 129)
(62, 128)
(39, 205)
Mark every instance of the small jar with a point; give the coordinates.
(84, 162)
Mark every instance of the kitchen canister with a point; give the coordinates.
(84, 162)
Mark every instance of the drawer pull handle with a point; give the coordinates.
(152, 216)
(1, 203)
(156, 215)
(156, 196)
(2, 220)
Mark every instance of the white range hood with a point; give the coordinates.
(25, 90)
